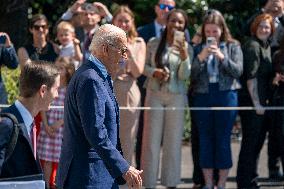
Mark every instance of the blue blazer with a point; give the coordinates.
(91, 155)
(22, 161)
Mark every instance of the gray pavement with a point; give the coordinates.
(187, 168)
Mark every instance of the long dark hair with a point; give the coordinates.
(162, 44)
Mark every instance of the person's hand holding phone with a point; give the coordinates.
(216, 52)
(102, 9)
(5, 39)
(76, 7)
(179, 44)
(207, 50)
(213, 48)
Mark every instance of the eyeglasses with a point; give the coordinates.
(164, 6)
(37, 27)
(122, 50)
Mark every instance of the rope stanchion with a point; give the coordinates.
(183, 108)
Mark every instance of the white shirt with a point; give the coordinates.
(158, 28)
(26, 115)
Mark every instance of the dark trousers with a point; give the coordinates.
(214, 127)
(138, 150)
(253, 136)
(197, 175)
(277, 133)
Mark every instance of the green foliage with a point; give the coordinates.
(11, 81)
(187, 126)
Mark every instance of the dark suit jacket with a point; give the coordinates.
(90, 156)
(148, 31)
(22, 161)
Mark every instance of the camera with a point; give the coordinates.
(3, 39)
(89, 7)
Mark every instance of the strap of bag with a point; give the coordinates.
(13, 140)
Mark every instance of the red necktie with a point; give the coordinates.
(33, 138)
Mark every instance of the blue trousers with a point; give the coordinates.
(214, 127)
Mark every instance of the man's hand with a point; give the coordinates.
(103, 10)
(133, 178)
(77, 6)
(8, 41)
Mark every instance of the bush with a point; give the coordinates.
(11, 81)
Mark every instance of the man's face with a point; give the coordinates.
(116, 52)
(49, 95)
(90, 19)
(162, 9)
(275, 6)
(39, 29)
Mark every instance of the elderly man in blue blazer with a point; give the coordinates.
(91, 154)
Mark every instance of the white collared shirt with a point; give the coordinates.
(26, 115)
(158, 28)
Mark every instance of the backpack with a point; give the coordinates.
(14, 137)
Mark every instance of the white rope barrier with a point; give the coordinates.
(182, 108)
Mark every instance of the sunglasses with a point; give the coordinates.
(163, 7)
(121, 50)
(37, 27)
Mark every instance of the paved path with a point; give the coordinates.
(187, 168)
(231, 184)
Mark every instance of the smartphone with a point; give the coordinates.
(178, 37)
(2, 39)
(210, 40)
(89, 7)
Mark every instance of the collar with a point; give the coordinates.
(263, 44)
(98, 63)
(92, 31)
(158, 28)
(69, 45)
(26, 115)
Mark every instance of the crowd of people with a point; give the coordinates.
(104, 61)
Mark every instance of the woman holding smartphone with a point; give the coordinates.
(167, 68)
(216, 68)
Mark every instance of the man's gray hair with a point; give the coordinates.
(106, 33)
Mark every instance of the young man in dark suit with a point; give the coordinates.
(39, 82)
(91, 153)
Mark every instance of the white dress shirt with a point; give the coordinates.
(26, 115)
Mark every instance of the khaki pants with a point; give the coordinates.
(166, 127)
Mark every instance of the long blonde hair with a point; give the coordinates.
(125, 9)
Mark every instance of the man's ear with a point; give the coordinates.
(157, 8)
(42, 90)
(31, 30)
(105, 49)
